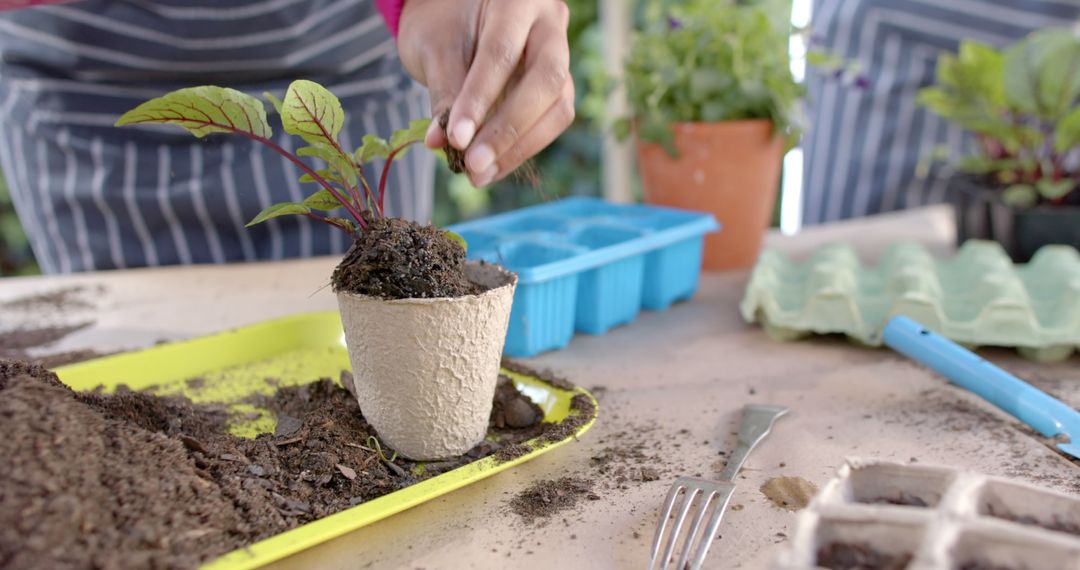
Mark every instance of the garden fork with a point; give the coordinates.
(707, 495)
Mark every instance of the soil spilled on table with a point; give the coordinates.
(133, 479)
(545, 498)
(791, 493)
(66, 298)
(399, 259)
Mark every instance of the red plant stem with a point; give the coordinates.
(324, 220)
(386, 174)
(371, 197)
(307, 170)
(274, 146)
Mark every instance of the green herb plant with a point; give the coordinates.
(708, 61)
(308, 111)
(1022, 104)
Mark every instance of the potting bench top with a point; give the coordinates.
(670, 386)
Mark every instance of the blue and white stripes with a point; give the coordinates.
(864, 145)
(92, 196)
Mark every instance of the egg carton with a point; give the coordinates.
(889, 516)
(976, 298)
(587, 265)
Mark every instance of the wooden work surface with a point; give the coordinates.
(670, 386)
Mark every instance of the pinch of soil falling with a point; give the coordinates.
(791, 493)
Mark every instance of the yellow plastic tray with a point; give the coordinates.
(292, 350)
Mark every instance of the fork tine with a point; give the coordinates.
(703, 508)
(665, 512)
(710, 531)
(692, 491)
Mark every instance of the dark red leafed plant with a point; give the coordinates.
(309, 111)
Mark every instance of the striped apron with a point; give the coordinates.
(864, 145)
(92, 196)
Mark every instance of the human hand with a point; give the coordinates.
(503, 70)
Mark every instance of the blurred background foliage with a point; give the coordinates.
(569, 167)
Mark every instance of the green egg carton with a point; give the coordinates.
(976, 298)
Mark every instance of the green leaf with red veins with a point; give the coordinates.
(313, 113)
(415, 133)
(326, 173)
(202, 111)
(322, 200)
(280, 209)
(332, 157)
(373, 147)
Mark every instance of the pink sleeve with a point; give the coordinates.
(391, 12)
(16, 4)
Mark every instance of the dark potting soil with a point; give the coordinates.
(16, 342)
(455, 158)
(137, 480)
(547, 376)
(1056, 524)
(399, 259)
(902, 499)
(545, 498)
(983, 565)
(859, 556)
(60, 299)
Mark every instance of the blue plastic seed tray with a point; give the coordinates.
(587, 265)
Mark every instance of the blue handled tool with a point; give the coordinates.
(1030, 405)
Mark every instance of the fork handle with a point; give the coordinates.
(757, 422)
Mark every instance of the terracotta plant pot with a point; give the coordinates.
(424, 370)
(730, 169)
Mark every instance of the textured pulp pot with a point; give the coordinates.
(425, 370)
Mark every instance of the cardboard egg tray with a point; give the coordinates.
(880, 515)
(976, 298)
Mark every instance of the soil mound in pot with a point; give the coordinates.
(399, 259)
(136, 480)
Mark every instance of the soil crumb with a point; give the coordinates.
(859, 556)
(455, 158)
(545, 498)
(791, 493)
(136, 480)
(66, 298)
(399, 259)
(15, 343)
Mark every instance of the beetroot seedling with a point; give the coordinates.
(310, 112)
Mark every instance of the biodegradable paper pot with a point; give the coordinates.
(425, 370)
